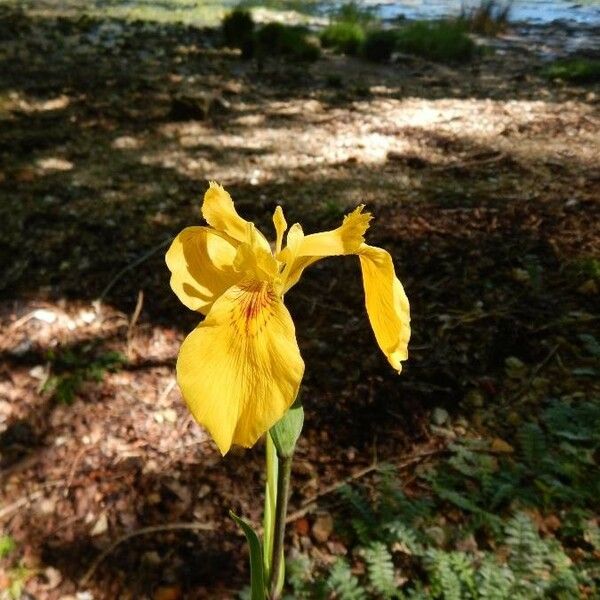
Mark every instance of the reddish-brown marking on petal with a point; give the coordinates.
(253, 311)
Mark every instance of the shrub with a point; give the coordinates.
(444, 41)
(380, 44)
(576, 70)
(295, 43)
(343, 37)
(351, 12)
(489, 18)
(238, 31)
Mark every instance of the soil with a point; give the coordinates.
(483, 180)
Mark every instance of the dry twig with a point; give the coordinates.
(143, 531)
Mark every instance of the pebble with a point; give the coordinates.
(322, 527)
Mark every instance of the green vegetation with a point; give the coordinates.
(238, 31)
(348, 29)
(70, 370)
(380, 44)
(354, 32)
(575, 70)
(489, 18)
(444, 41)
(295, 43)
(273, 39)
(344, 37)
(352, 12)
(498, 522)
(7, 545)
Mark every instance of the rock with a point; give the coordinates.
(322, 527)
(46, 316)
(126, 142)
(500, 446)
(54, 164)
(101, 525)
(167, 592)
(439, 416)
(437, 534)
(187, 107)
(302, 526)
(589, 288)
(521, 275)
(474, 398)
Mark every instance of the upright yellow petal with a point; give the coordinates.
(219, 211)
(387, 304)
(240, 369)
(280, 226)
(201, 263)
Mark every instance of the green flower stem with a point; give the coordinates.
(277, 570)
(272, 467)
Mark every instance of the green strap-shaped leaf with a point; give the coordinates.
(257, 577)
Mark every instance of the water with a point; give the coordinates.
(584, 12)
(531, 11)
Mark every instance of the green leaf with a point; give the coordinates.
(7, 545)
(257, 579)
(286, 431)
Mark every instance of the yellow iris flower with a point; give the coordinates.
(240, 369)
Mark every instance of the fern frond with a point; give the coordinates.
(494, 581)
(404, 538)
(343, 584)
(533, 445)
(381, 570)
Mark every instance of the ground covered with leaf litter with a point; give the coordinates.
(483, 180)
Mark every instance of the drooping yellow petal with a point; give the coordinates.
(346, 239)
(240, 369)
(387, 304)
(201, 263)
(302, 251)
(219, 211)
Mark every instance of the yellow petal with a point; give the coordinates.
(219, 211)
(387, 304)
(280, 226)
(346, 239)
(240, 369)
(253, 260)
(201, 263)
(302, 251)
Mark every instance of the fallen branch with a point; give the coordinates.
(143, 531)
(28, 498)
(308, 504)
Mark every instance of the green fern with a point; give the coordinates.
(527, 553)
(494, 581)
(404, 538)
(533, 445)
(553, 471)
(452, 575)
(343, 584)
(381, 570)
(591, 534)
(298, 571)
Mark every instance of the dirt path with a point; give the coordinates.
(484, 184)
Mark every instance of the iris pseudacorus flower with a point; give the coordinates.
(240, 369)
